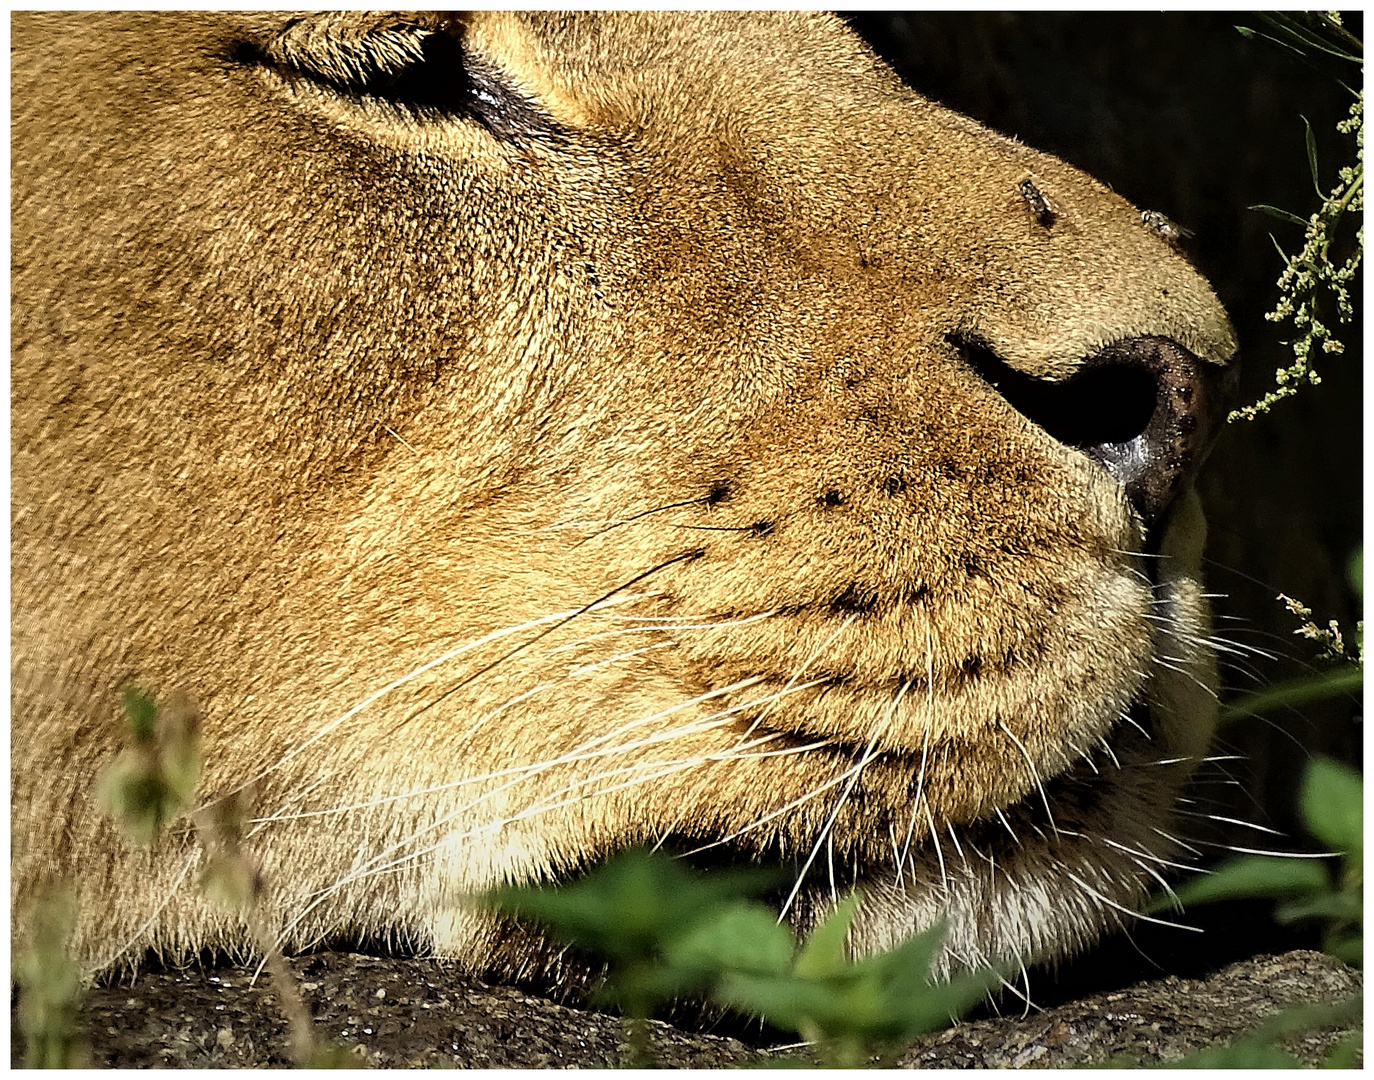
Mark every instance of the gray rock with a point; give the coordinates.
(401, 1013)
(1154, 1022)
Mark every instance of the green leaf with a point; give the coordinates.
(1356, 572)
(1307, 38)
(1350, 950)
(1254, 875)
(630, 904)
(1341, 680)
(784, 1000)
(1256, 1050)
(1332, 802)
(1315, 1017)
(1250, 33)
(1344, 1054)
(1241, 1055)
(883, 1000)
(906, 969)
(743, 937)
(131, 791)
(1312, 156)
(942, 1003)
(823, 954)
(1275, 212)
(141, 711)
(179, 756)
(49, 983)
(1332, 905)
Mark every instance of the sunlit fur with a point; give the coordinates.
(500, 502)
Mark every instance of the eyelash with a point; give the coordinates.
(419, 69)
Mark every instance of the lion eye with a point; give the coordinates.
(419, 65)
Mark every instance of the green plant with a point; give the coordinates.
(155, 775)
(1315, 280)
(1258, 1050)
(49, 983)
(1345, 676)
(143, 789)
(665, 931)
(148, 786)
(1331, 802)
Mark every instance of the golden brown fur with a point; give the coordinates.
(312, 389)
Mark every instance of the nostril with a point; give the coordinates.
(1144, 408)
(1188, 394)
(1103, 405)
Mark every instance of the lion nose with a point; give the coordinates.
(1145, 408)
(1171, 405)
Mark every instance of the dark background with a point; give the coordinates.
(1182, 114)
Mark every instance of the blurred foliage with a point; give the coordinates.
(1331, 801)
(666, 931)
(1260, 1049)
(49, 985)
(1333, 808)
(145, 789)
(155, 775)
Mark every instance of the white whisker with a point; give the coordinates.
(452, 654)
(1274, 854)
(925, 748)
(844, 796)
(1035, 774)
(954, 836)
(1133, 914)
(1232, 821)
(939, 849)
(1147, 855)
(1126, 716)
(526, 772)
(820, 650)
(1175, 840)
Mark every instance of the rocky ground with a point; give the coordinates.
(394, 1013)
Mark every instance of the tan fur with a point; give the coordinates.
(309, 393)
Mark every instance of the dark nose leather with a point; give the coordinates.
(1146, 408)
(1186, 399)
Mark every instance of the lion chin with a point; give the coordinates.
(524, 436)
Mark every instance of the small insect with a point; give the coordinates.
(1167, 228)
(1040, 207)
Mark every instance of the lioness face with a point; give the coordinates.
(525, 436)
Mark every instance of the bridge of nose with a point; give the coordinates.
(1040, 261)
(1055, 267)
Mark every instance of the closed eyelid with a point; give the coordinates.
(350, 49)
(420, 64)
